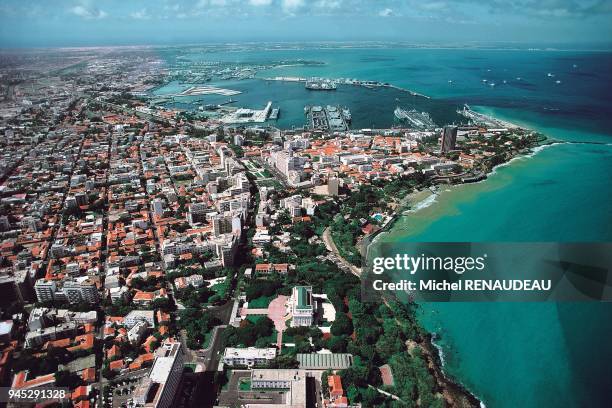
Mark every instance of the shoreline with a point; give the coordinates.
(414, 202)
(455, 387)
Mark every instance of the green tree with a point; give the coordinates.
(342, 326)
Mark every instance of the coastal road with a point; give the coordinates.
(454, 394)
(331, 247)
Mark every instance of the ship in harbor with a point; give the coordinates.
(416, 119)
(346, 113)
(274, 114)
(316, 84)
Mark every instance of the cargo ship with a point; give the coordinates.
(419, 120)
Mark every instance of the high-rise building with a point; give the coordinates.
(238, 140)
(197, 213)
(332, 186)
(84, 291)
(159, 388)
(15, 286)
(5, 225)
(286, 162)
(221, 224)
(45, 290)
(449, 139)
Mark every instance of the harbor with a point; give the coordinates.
(318, 84)
(416, 119)
(327, 84)
(484, 120)
(245, 115)
(328, 118)
(368, 108)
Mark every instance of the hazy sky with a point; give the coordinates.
(34, 23)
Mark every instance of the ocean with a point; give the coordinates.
(509, 355)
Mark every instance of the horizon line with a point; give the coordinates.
(604, 45)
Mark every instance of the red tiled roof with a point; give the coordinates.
(116, 365)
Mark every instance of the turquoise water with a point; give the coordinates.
(533, 354)
(527, 355)
(370, 108)
(558, 194)
(510, 355)
(580, 101)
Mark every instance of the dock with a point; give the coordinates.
(328, 118)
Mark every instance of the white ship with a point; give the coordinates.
(400, 113)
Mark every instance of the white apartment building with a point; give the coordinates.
(158, 389)
(79, 291)
(135, 316)
(45, 290)
(157, 206)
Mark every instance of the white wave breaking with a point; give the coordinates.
(423, 204)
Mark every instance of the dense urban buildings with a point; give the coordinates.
(143, 245)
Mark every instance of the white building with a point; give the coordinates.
(135, 333)
(79, 291)
(291, 382)
(136, 316)
(158, 207)
(158, 389)
(45, 290)
(248, 356)
(276, 378)
(301, 306)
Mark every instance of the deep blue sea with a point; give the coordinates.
(510, 355)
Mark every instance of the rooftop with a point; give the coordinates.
(324, 361)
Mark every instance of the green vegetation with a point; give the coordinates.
(197, 324)
(262, 288)
(376, 332)
(245, 384)
(251, 334)
(260, 303)
(194, 298)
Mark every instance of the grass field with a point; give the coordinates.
(260, 303)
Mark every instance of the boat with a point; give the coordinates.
(400, 113)
(420, 120)
(346, 113)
